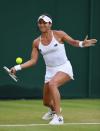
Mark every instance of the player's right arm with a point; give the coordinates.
(34, 56)
(33, 59)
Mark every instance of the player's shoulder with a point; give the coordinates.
(59, 32)
(36, 42)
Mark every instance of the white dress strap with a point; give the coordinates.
(40, 39)
(53, 35)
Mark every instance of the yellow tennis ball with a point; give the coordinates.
(19, 60)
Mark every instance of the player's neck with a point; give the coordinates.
(47, 33)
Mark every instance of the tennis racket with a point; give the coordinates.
(14, 77)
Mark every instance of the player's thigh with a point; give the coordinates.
(60, 78)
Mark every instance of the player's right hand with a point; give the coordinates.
(13, 71)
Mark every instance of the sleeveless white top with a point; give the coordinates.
(54, 54)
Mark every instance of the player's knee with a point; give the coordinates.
(52, 84)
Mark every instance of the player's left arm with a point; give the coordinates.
(85, 43)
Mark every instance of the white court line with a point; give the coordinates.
(27, 125)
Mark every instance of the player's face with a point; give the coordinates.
(44, 26)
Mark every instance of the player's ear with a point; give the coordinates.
(50, 24)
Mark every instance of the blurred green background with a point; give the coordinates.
(18, 28)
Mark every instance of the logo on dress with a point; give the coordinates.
(55, 45)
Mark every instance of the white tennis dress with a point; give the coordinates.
(55, 59)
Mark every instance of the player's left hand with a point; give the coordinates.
(90, 42)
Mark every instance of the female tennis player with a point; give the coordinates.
(58, 67)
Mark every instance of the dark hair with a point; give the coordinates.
(47, 15)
